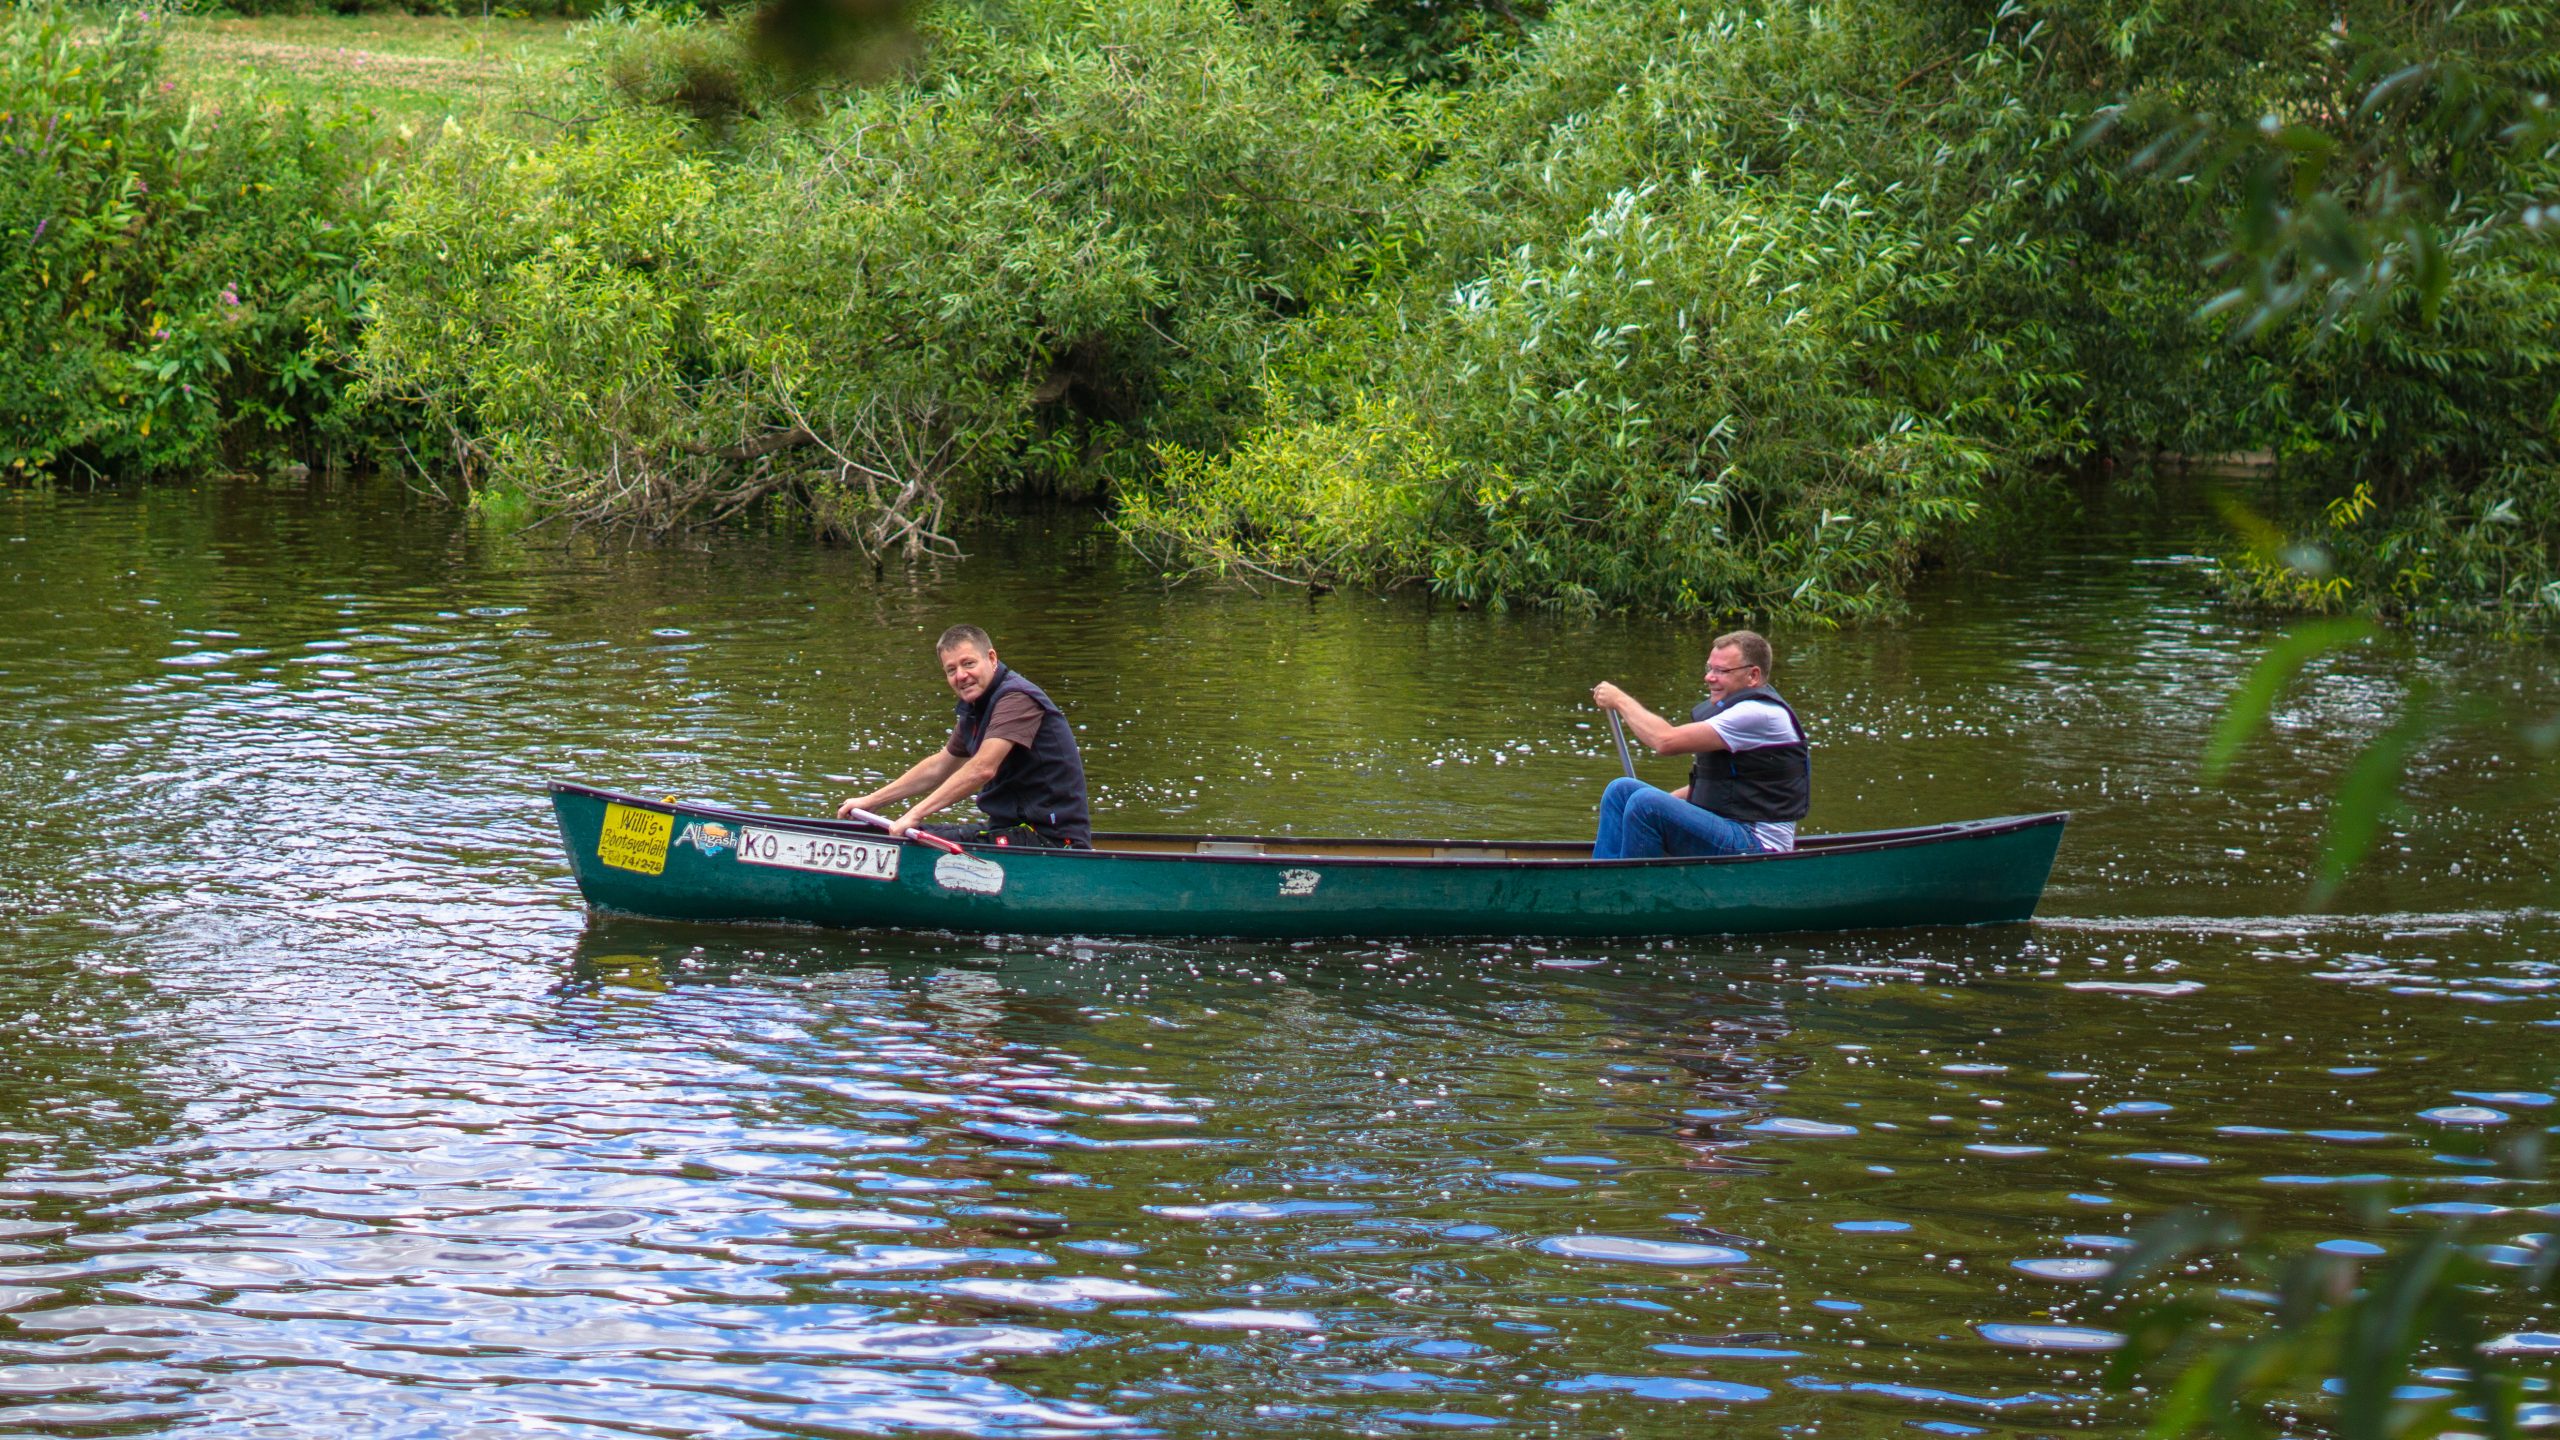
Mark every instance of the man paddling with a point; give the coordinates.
(1010, 746)
(1752, 779)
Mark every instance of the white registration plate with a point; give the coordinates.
(827, 854)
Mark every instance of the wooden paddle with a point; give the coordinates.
(936, 841)
(1618, 731)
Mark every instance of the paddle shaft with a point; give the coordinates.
(1618, 732)
(936, 841)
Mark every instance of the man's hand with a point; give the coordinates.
(1652, 731)
(899, 827)
(858, 802)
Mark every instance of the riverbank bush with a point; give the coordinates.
(1896, 253)
(1064, 235)
(1611, 303)
(182, 281)
(1688, 355)
(1657, 350)
(2378, 180)
(1413, 42)
(1356, 497)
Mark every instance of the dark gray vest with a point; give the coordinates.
(1751, 786)
(1041, 784)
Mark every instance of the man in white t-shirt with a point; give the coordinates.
(1752, 779)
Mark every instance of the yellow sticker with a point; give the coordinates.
(635, 839)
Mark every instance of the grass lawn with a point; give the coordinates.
(412, 70)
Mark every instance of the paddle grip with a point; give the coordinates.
(948, 847)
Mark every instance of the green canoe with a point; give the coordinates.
(679, 860)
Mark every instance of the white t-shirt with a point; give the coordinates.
(1757, 725)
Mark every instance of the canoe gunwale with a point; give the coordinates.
(1311, 847)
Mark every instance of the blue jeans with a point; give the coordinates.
(1638, 822)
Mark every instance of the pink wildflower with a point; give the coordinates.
(230, 296)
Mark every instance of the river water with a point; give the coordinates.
(325, 1110)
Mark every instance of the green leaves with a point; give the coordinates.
(1705, 311)
(180, 289)
(2349, 194)
(1686, 353)
(2404, 142)
(2370, 794)
(1364, 498)
(2361, 1332)
(2247, 711)
(1070, 230)
(1414, 42)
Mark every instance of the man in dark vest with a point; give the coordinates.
(1752, 779)
(1010, 746)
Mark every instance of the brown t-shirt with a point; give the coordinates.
(1016, 718)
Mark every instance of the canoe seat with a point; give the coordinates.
(1229, 847)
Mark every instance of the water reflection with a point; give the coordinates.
(324, 1110)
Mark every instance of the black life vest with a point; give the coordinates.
(1040, 784)
(1752, 786)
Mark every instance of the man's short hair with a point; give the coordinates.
(1755, 650)
(959, 635)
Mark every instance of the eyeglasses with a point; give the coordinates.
(1729, 669)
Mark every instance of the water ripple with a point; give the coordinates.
(325, 1111)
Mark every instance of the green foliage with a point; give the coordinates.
(654, 60)
(511, 8)
(2247, 711)
(2356, 1348)
(1614, 303)
(1414, 42)
(1357, 498)
(182, 279)
(1060, 239)
(2007, 296)
(2379, 179)
(1687, 355)
(507, 278)
(2428, 463)
(2385, 146)
(2369, 795)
